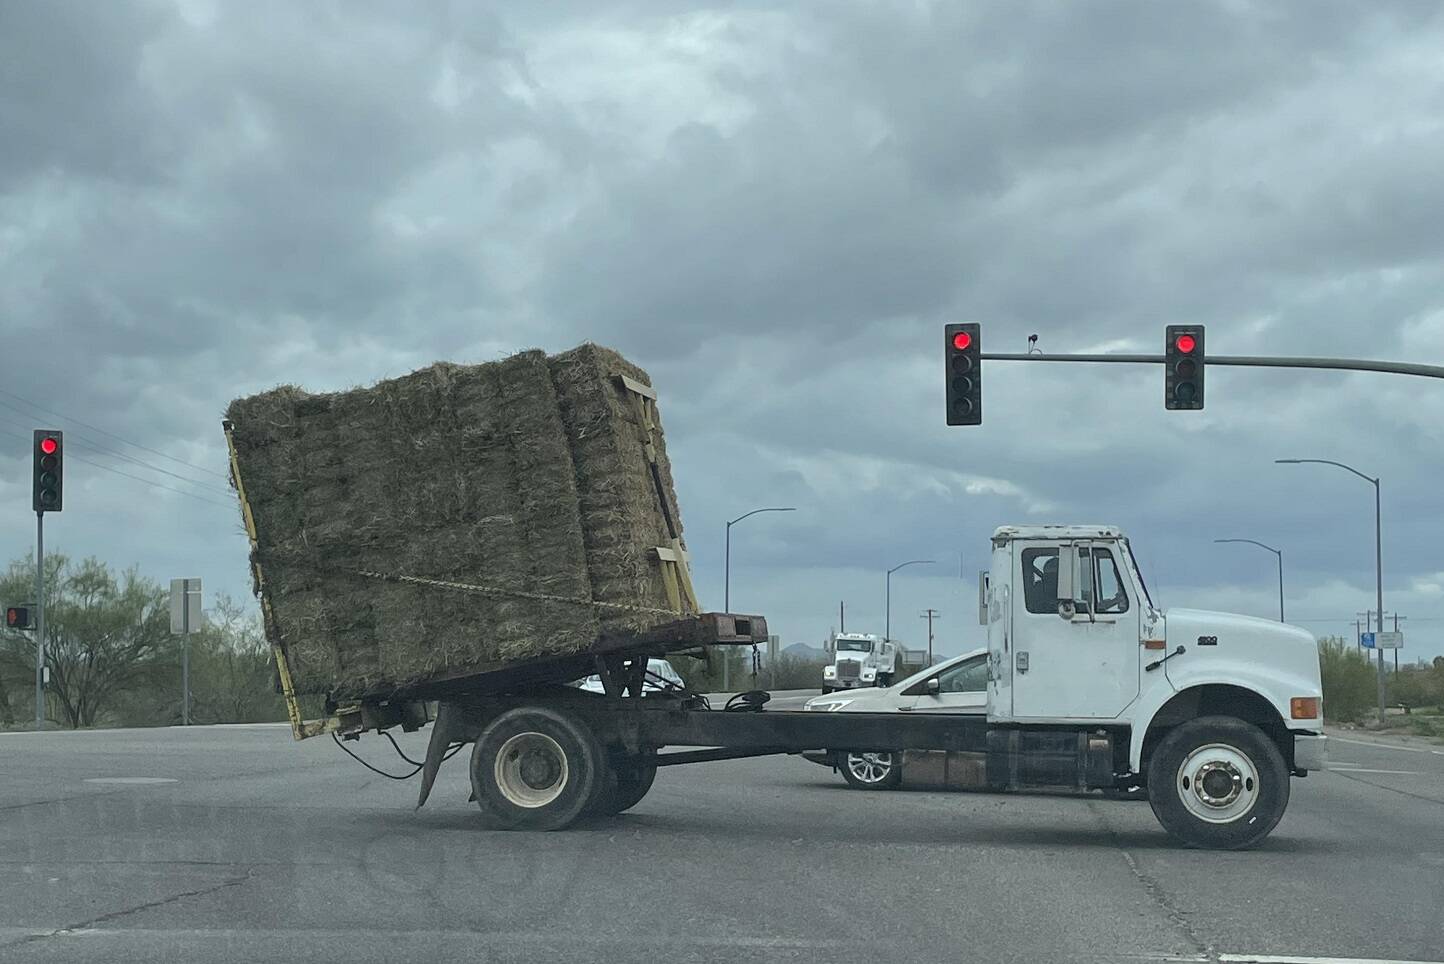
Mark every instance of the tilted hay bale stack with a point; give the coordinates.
(527, 476)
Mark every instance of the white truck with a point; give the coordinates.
(863, 659)
(1090, 686)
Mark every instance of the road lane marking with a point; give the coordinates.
(1292, 959)
(132, 781)
(1400, 773)
(1386, 746)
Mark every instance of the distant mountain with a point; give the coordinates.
(804, 651)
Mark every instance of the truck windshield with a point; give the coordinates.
(1137, 572)
(853, 646)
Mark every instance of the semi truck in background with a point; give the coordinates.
(865, 659)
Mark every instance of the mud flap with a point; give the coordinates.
(448, 729)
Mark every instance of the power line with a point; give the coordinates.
(150, 483)
(82, 441)
(96, 428)
(127, 475)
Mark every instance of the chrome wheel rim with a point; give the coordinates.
(869, 767)
(1218, 783)
(531, 770)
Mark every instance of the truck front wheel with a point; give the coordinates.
(1218, 783)
(536, 769)
(870, 771)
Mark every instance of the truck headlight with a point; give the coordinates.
(869, 674)
(829, 672)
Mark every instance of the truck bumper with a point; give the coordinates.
(1311, 751)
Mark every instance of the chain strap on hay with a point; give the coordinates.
(514, 593)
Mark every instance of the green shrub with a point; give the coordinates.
(1416, 686)
(1350, 687)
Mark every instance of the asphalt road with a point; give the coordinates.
(234, 844)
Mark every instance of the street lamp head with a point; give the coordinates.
(788, 508)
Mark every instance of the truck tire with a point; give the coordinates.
(826, 690)
(534, 768)
(627, 782)
(1218, 783)
(870, 771)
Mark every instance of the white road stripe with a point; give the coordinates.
(1289, 959)
(1384, 746)
(1400, 773)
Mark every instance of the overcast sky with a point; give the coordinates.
(774, 210)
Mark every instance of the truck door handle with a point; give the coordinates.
(1021, 661)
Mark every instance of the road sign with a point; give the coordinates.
(1389, 640)
(185, 606)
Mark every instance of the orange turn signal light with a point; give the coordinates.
(1304, 707)
(1153, 644)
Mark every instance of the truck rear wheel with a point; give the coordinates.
(1218, 783)
(536, 769)
(628, 781)
(870, 771)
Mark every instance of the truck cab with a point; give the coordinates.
(864, 659)
(852, 662)
(1075, 640)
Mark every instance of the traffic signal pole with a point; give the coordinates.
(1248, 361)
(39, 620)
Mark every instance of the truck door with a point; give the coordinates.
(1085, 663)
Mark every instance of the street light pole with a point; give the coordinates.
(727, 573)
(887, 618)
(1277, 552)
(1378, 554)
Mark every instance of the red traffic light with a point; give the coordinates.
(1186, 343)
(48, 445)
(962, 340)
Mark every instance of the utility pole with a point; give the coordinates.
(928, 614)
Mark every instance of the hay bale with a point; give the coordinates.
(527, 475)
(622, 518)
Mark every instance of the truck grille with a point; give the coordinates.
(848, 668)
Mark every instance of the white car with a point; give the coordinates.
(655, 668)
(957, 685)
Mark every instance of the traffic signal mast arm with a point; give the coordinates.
(1249, 361)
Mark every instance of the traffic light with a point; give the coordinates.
(964, 354)
(18, 617)
(49, 470)
(1183, 368)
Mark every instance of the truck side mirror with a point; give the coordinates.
(1067, 570)
(933, 686)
